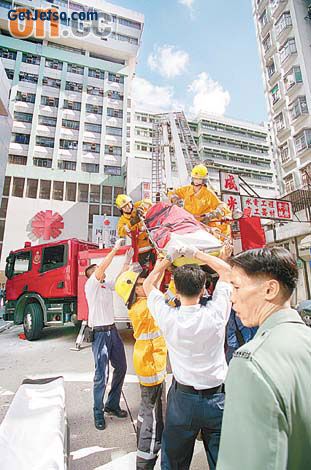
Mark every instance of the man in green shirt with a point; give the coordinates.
(267, 417)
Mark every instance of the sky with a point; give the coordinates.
(199, 55)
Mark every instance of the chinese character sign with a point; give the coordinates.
(104, 230)
(233, 201)
(229, 182)
(266, 208)
(146, 190)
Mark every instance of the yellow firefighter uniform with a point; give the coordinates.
(150, 350)
(125, 229)
(202, 203)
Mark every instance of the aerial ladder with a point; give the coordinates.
(174, 153)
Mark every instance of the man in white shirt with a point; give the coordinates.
(195, 337)
(107, 345)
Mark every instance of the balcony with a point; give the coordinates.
(303, 143)
(283, 27)
(260, 5)
(265, 23)
(293, 80)
(299, 109)
(277, 6)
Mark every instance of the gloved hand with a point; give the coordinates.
(208, 217)
(176, 200)
(128, 256)
(140, 212)
(118, 244)
(188, 251)
(172, 253)
(134, 220)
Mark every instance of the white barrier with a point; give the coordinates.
(34, 433)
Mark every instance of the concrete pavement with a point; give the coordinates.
(111, 449)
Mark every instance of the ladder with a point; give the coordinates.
(172, 146)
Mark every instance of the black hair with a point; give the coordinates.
(91, 266)
(189, 280)
(277, 263)
(133, 297)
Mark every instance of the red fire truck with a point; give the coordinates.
(45, 284)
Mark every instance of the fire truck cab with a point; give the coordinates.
(42, 284)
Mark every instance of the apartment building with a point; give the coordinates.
(223, 144)
(283, 29)
(69, 101)
(5, 128)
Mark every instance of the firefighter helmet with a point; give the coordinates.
(122, 200)
(125, 284)
(199, 171)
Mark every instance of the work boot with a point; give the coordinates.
(99, 422)
(118, 412)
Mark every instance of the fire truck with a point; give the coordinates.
(45, 284)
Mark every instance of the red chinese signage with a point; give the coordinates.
(233, 201)
(229, 182)
(266, 208)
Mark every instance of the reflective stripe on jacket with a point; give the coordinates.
(150, 350)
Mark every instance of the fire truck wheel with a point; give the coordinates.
(33, 321)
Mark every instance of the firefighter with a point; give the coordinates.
(149, 359)
(131, 225)
(202, 202)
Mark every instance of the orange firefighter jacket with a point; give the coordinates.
(125, 229)
(150, 350)
(203, 202)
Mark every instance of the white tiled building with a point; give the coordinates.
(5, 126)
(69, 101)
(284, 37)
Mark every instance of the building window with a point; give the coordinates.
(9, 74)
(45, 189)
(117, 113)
(66, 165)
(271, 68)
(93, 210)
(68, 144)
(83, 192)
(47, 121)
(275, 93)
(70, 124)
(306, 175)
(289, 183)
(7, 53)
(292, 77)
(112, 170)
(115, 95)
(124, 37)
(18, 187)
(42, 162)
(52, 82)
(107, 195)
(71, 189)
(91, 147)
(267, 43)
(93, 108)
(58, 190)
(90, 127)
(263, 19)
(129, 23)
(298, 107)
(284, 22)
(279, 122)
(28, 77)
(17, 159)
(95, 193)
(106, 210)
(287, 49)
(75, 105)
(95, 73)
(113, 150)
(6, 187)
(54, 64)
(3, 208)
(303, 140)
(90, 167)
(23, 117)
(30, 59)
(32, 188)
(284, 152)
(73, 86)
(20, 138)
(93, 90)
(115, 78)
(25, 97)
(75, 69)
(114, 131)
(44, 141)
(49, 101)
